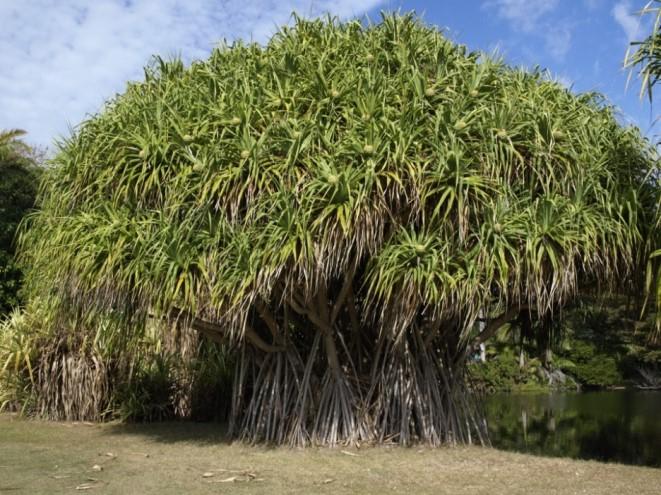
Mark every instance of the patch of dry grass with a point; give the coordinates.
(41, 457)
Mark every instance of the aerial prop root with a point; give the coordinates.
(311, 393)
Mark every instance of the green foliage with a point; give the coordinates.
(452, 181)
(502, 372)
(499, 373)
(600, 371)
(18, 349)
(581, 352)
(604, 337)
(10, 282)
(598, 342)
(148, 395)
(645, 55)
(18, 189)
(591, 367)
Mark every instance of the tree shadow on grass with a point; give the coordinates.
(209, 433)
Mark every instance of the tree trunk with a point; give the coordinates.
(306, 387)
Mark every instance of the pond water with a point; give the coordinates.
(619, 426)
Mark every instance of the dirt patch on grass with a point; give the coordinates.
(169, 458)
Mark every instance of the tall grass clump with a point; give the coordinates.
(94, 373)
(352, 208)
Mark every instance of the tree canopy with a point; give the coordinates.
(371, 191)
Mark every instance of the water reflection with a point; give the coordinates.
(620, 426)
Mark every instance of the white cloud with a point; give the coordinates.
(63, 59)
(523, 15)
(564, 80)
(558, 42)
(531, 18)
(628, 21)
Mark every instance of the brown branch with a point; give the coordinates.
(214, 336)
(323, 327)
(311, 315)
(496, 323)
(322, 303)
(344, 292)
(218, 334)
(353, 313)
(433, 330)
(331, 353)
(268, 318)
(259, 343)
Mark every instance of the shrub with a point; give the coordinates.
(94, 373)
(592, 367)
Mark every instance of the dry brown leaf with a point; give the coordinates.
(244, 476)
(85, 486)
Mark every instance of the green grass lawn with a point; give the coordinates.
(42, 457)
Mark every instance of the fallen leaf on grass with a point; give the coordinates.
(327, 481)
(345, 452)
(245, 476)
(248, 471)
(86, 486)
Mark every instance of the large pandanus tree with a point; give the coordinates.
(352, 208)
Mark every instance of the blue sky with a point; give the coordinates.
(61, 59)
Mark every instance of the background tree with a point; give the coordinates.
(645, 57)
(18, 189)
(342, 205)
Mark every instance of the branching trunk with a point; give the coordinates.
(316, 389)
(496, 324)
